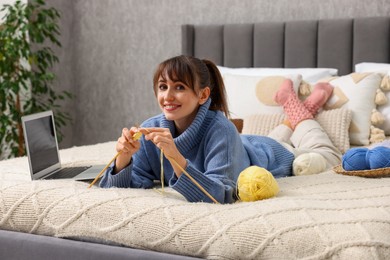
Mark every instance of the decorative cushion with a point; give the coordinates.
(261, 124)
(335, 123)
(383, 107)
(310, 75)
(356, 92)
(249, 95)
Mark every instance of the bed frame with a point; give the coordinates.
(339, 43)
(16, 245)
(317, 43)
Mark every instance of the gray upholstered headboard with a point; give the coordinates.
(337, 43)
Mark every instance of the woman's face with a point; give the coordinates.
(178, 102)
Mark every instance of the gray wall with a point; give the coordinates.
(111, 48)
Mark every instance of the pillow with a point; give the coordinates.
(249, 95)
(371, 67)
(310, 75)
(335, 123)
(384, 69)
(356, 92)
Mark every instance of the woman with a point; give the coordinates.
(195, 134)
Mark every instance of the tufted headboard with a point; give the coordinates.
(339, 43)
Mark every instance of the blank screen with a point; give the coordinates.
(41, 143)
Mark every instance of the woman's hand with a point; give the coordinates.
(163, 139)
(128, 146)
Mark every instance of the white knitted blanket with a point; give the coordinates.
(313, 217)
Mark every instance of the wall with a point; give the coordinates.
(65, 70)
(111, 47)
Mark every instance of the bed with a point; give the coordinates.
(322, 216)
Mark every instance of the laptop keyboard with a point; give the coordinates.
(68, 172)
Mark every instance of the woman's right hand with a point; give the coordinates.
(127, 146)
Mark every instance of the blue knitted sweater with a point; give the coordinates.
(215, 154)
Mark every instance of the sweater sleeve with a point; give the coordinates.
(137, 174)
(221, 189)
(224, 159)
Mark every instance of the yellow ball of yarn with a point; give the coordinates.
(256, 183)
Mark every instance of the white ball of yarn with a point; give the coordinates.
(309, 163)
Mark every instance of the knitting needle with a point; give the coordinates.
(136, 136)
(189, 176)
(195, 182)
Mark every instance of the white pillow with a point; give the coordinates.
(310, 75)
(249, 95)
(356, 92)
(384, 69)
(372, 67)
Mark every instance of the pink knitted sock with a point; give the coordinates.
(293, 107)
(321, 93)
(285, 90)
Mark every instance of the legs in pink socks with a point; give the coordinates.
(293, 107)
(296, 110)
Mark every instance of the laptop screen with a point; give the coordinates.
(41, 141)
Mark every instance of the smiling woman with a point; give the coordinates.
(191, 95)
(179, 102)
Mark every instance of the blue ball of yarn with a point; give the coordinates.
(355, 159)
(379, 157)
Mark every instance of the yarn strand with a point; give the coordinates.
(136, 136)
(194, 181)
(162, 170)
(188, 175)
(102, 171)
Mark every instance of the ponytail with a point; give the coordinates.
(218, 92)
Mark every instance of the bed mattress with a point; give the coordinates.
(319, 216)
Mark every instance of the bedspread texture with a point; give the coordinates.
(315, 217)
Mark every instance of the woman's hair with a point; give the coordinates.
(196, 74)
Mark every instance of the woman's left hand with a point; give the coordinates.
(163, 139)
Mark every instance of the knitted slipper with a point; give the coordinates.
(293, 107)
(320, 94)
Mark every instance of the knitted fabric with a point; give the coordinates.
(269, 154)
(293, 107)
(320, 94)
(324, 216)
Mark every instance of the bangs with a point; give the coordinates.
(176, 69)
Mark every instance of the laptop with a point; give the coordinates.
(42, 151)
